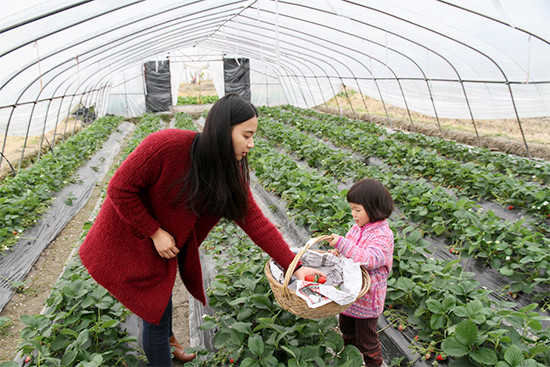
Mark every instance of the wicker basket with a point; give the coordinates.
(291, 302)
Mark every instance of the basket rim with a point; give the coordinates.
(290, 292)
(290, 301)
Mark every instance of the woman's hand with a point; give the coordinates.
(165, 244)
(304, 271)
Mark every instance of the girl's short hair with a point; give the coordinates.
(374, 196)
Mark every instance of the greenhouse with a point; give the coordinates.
(445, 103)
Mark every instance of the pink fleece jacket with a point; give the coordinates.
(372, 247)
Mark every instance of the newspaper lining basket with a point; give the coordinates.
(291, 302)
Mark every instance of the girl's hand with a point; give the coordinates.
(164, 244)
(335, 252)
(304, 271)
(333, 240)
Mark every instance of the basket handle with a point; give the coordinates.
(297, 258)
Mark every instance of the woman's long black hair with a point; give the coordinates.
(217, 183)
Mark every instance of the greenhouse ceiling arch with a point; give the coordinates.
(448, 59)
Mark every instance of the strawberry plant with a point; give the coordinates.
(24, 197)
(184, 121)
(79, 325)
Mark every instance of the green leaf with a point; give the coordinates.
(513, 355)
(262, 302)
(434, 306)
(334, 341)
(221, 338)
(528, 308)
(69, 332)
(294, 352)
(61, 342)
(414, 236)
(69, 357)
(437, 321)
(448, 303)
(506, 271)
(249, 362)
(243, 327)
(256, 344)
(28, 320)
(208, 325)
(453, 347)
(466, 332)
(245, 313)
(484, 356)
(309, 352)
(439, 229)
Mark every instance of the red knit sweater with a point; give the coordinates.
(120, 255)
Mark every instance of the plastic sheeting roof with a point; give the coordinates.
(458, 58)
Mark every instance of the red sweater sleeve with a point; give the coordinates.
(265, 234)
(129, 184)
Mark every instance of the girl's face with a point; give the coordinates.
(242, 137)
(359, 214)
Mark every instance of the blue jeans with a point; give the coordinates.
(156, 339)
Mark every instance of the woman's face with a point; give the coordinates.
(242, 137)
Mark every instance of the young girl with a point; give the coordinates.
(370, 243)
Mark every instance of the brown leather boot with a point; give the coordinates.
(179, 352)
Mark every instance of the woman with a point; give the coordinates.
(162, 202)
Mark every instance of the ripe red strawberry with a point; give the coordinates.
(440, 357)
(231, 360)
(315, 278)
(511, 207)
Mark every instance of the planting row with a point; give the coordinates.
(474, 180)
(79, 326)
(452, 314)
(514, 250)
(196, 100)
(530, 170)
(24, 197)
